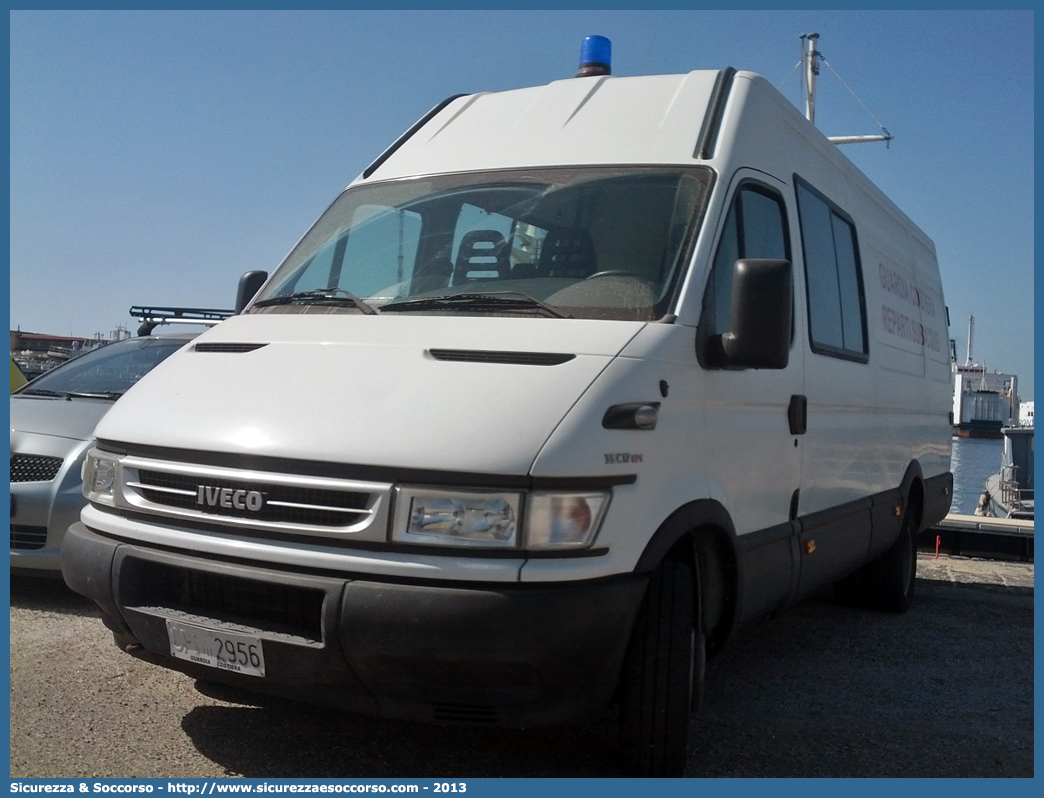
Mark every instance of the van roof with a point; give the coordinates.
(644, 120)
(654, 119)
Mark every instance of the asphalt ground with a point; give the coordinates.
(821, 690)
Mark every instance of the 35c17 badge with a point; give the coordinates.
(614, 459)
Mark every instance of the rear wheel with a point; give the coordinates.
(888, 582)
(891, 578)
(664, 659)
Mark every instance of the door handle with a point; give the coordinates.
(797, 414)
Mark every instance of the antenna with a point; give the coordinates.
(971, 332)
(810, 61)
(810, 58)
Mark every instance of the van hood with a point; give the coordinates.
(407, 391)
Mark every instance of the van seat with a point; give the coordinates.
(482, 255)
(568, 252)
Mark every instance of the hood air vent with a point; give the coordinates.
(510, 358)
(227, 348)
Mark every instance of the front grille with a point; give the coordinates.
(288, 504)
(267, 606)
(34, 467)
(28, 538)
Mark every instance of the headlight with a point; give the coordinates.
(99, 477)
(456, 518)
(564, 520)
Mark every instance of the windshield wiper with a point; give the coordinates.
(113, 395)
(496, 301)
(321, 296)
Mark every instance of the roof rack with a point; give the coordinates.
(152, 317)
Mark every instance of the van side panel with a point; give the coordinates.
(866, 421)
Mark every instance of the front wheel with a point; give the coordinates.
(657, 687)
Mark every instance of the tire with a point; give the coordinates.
(891, 578)
(657, 692)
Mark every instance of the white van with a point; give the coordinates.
(565, 386)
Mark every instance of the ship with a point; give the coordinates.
(983, 401)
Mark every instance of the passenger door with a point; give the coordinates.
(753, 458)
(843, 440)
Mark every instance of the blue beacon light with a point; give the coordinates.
(595, 57)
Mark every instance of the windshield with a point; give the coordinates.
(605, 242)
(106, 372)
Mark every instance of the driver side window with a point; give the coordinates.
(756, 227)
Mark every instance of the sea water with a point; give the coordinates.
(972, 460)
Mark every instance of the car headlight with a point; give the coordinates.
(456, 518)
(553, 521)
(99, 477)
(564, 520)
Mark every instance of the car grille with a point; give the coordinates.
(282, 503)
(252, 501)
(28, 538)
(34, 467)
(270, 606)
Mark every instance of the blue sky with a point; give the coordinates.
(155, 156)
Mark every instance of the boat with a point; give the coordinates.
(1009, 492)
(983, 401)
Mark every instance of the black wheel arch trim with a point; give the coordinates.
(913, 480)
(686, 519)
(938, 498)
(686, 523)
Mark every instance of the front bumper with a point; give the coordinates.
(42, 511)
(506, 654)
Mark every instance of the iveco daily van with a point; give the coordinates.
(584, 376)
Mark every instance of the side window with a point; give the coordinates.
(756, 227)
(833, 279)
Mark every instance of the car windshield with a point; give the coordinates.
(106, 372)
(593, 242)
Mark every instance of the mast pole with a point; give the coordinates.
(971, 332)
(811, 63)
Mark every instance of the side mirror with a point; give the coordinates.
(249, 284)
(762, 303)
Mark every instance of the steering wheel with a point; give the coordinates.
(614, 273)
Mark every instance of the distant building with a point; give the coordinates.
(35, 353)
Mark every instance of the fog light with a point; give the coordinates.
(99, 477)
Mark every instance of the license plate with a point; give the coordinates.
(228, 651)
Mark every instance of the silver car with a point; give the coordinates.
(52, 426)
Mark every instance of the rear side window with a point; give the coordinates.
(833, 277)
